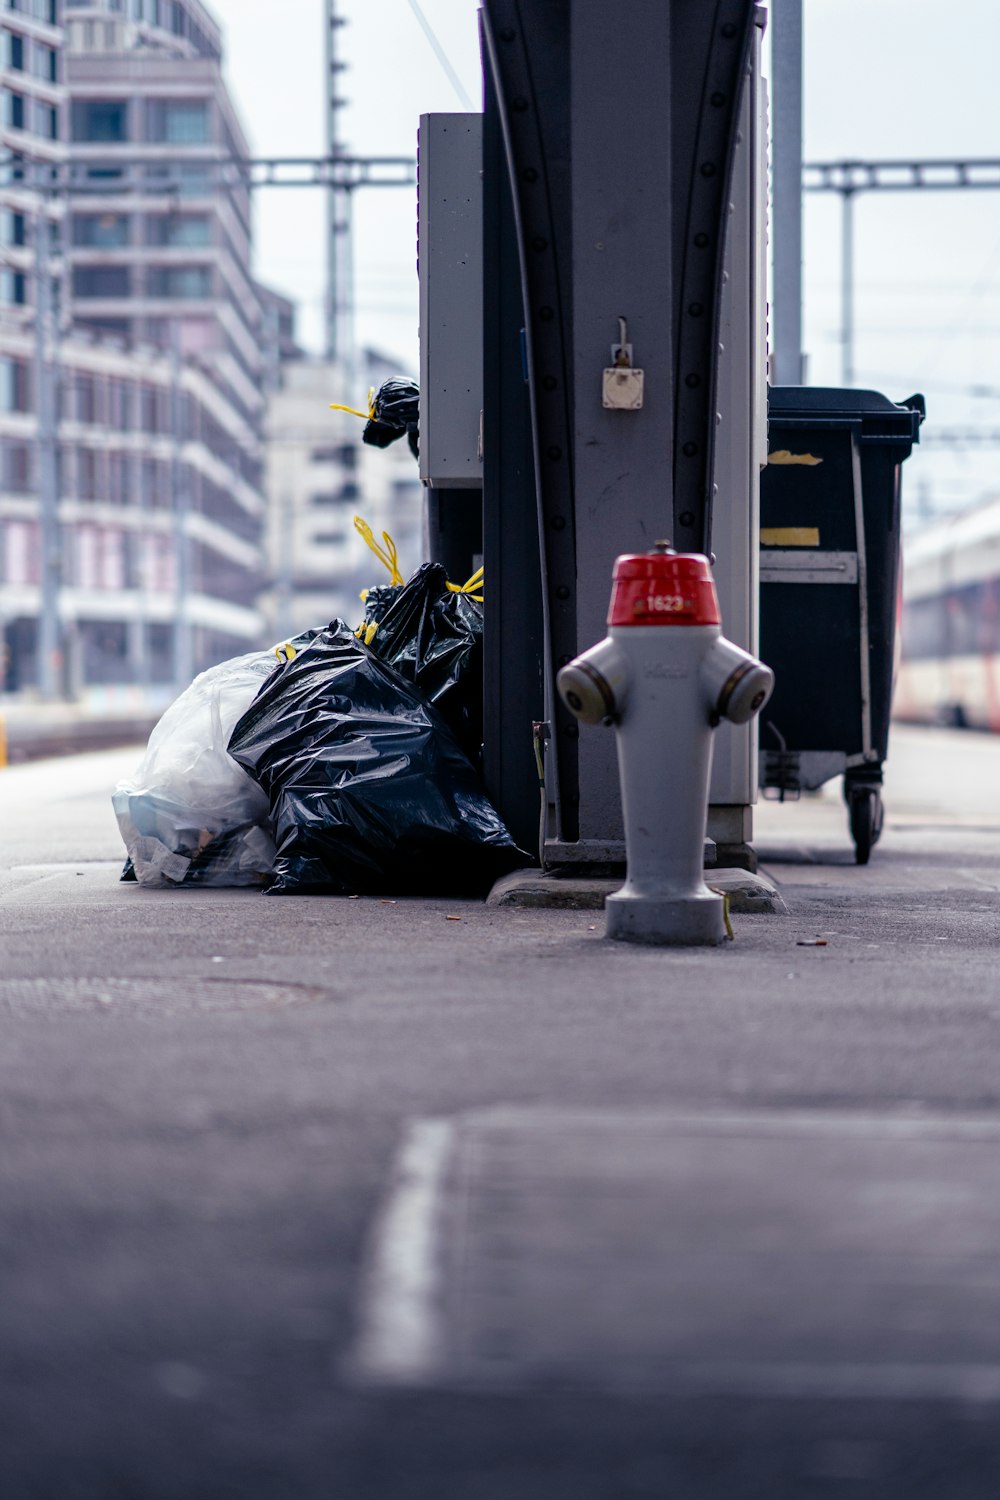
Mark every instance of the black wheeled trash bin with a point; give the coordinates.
(829, 591)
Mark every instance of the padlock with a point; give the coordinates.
(622, 389)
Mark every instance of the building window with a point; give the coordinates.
(100, 120)
(15, 387)
(15, 110)
(103, 174)
(12, 167)
(86, 557)
(13, 288)
(178, 122)
(86, 399)
(187, 231)
(14, 51)
(86, 474)
(47, 116)
(22, 553)
(120, 404)
(118, 491)
(154, 409)
(43, 63)
(345, 454)
(15, 473)
(179, 281)
(104, 231)
(330, 538)
(100, 281)
(13, 228)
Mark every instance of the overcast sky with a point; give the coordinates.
(883, 78)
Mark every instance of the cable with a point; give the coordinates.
(441, 55)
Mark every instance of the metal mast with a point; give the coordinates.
(339, 281)
(46, 472)
(786, 180)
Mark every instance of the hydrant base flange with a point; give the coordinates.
(695, 920)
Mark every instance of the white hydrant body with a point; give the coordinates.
(664, 676)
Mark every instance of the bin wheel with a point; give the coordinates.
(865, 812)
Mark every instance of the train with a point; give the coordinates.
(948, 670)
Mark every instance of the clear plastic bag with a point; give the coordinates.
(190, 815)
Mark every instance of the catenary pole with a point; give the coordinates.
(847, 288)
(46, 477)
(786, 179)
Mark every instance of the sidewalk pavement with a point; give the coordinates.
(313, 1197)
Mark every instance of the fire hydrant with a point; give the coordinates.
(664, 676)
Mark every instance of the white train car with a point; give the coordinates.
(949, 670)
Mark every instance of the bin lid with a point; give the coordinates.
(818, 404)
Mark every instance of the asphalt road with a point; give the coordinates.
(349, 1199)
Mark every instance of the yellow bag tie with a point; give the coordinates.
(387, 554)
(470, 586)
(390, 558)
(286, 651)
(366, 416)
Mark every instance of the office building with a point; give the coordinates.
(154, 357)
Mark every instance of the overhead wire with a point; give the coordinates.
(441, 55)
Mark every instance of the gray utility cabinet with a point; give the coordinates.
(450, 264)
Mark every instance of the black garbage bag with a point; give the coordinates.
(379, 599)
(395, 410)
(433, 636)
(369, 791)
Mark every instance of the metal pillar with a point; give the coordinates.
(513, 635)
(183, 627)
(847, 288)
(619, 132)
(741, 451)
(339, 287)
(786, 187)
(49, 662)
(141, 582)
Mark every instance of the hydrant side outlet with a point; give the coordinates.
(594, 685)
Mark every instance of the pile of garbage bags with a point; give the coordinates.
(342, 761)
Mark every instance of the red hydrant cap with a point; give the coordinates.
(663, 587)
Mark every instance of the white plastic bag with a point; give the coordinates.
(190, 815)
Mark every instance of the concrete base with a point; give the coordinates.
(695, 921)
(747, 893)
(734, 857)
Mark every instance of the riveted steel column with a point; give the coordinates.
(619, 125)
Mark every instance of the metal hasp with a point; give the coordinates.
(619, 126)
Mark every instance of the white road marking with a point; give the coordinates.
(402, 1338)
(400, 1333)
